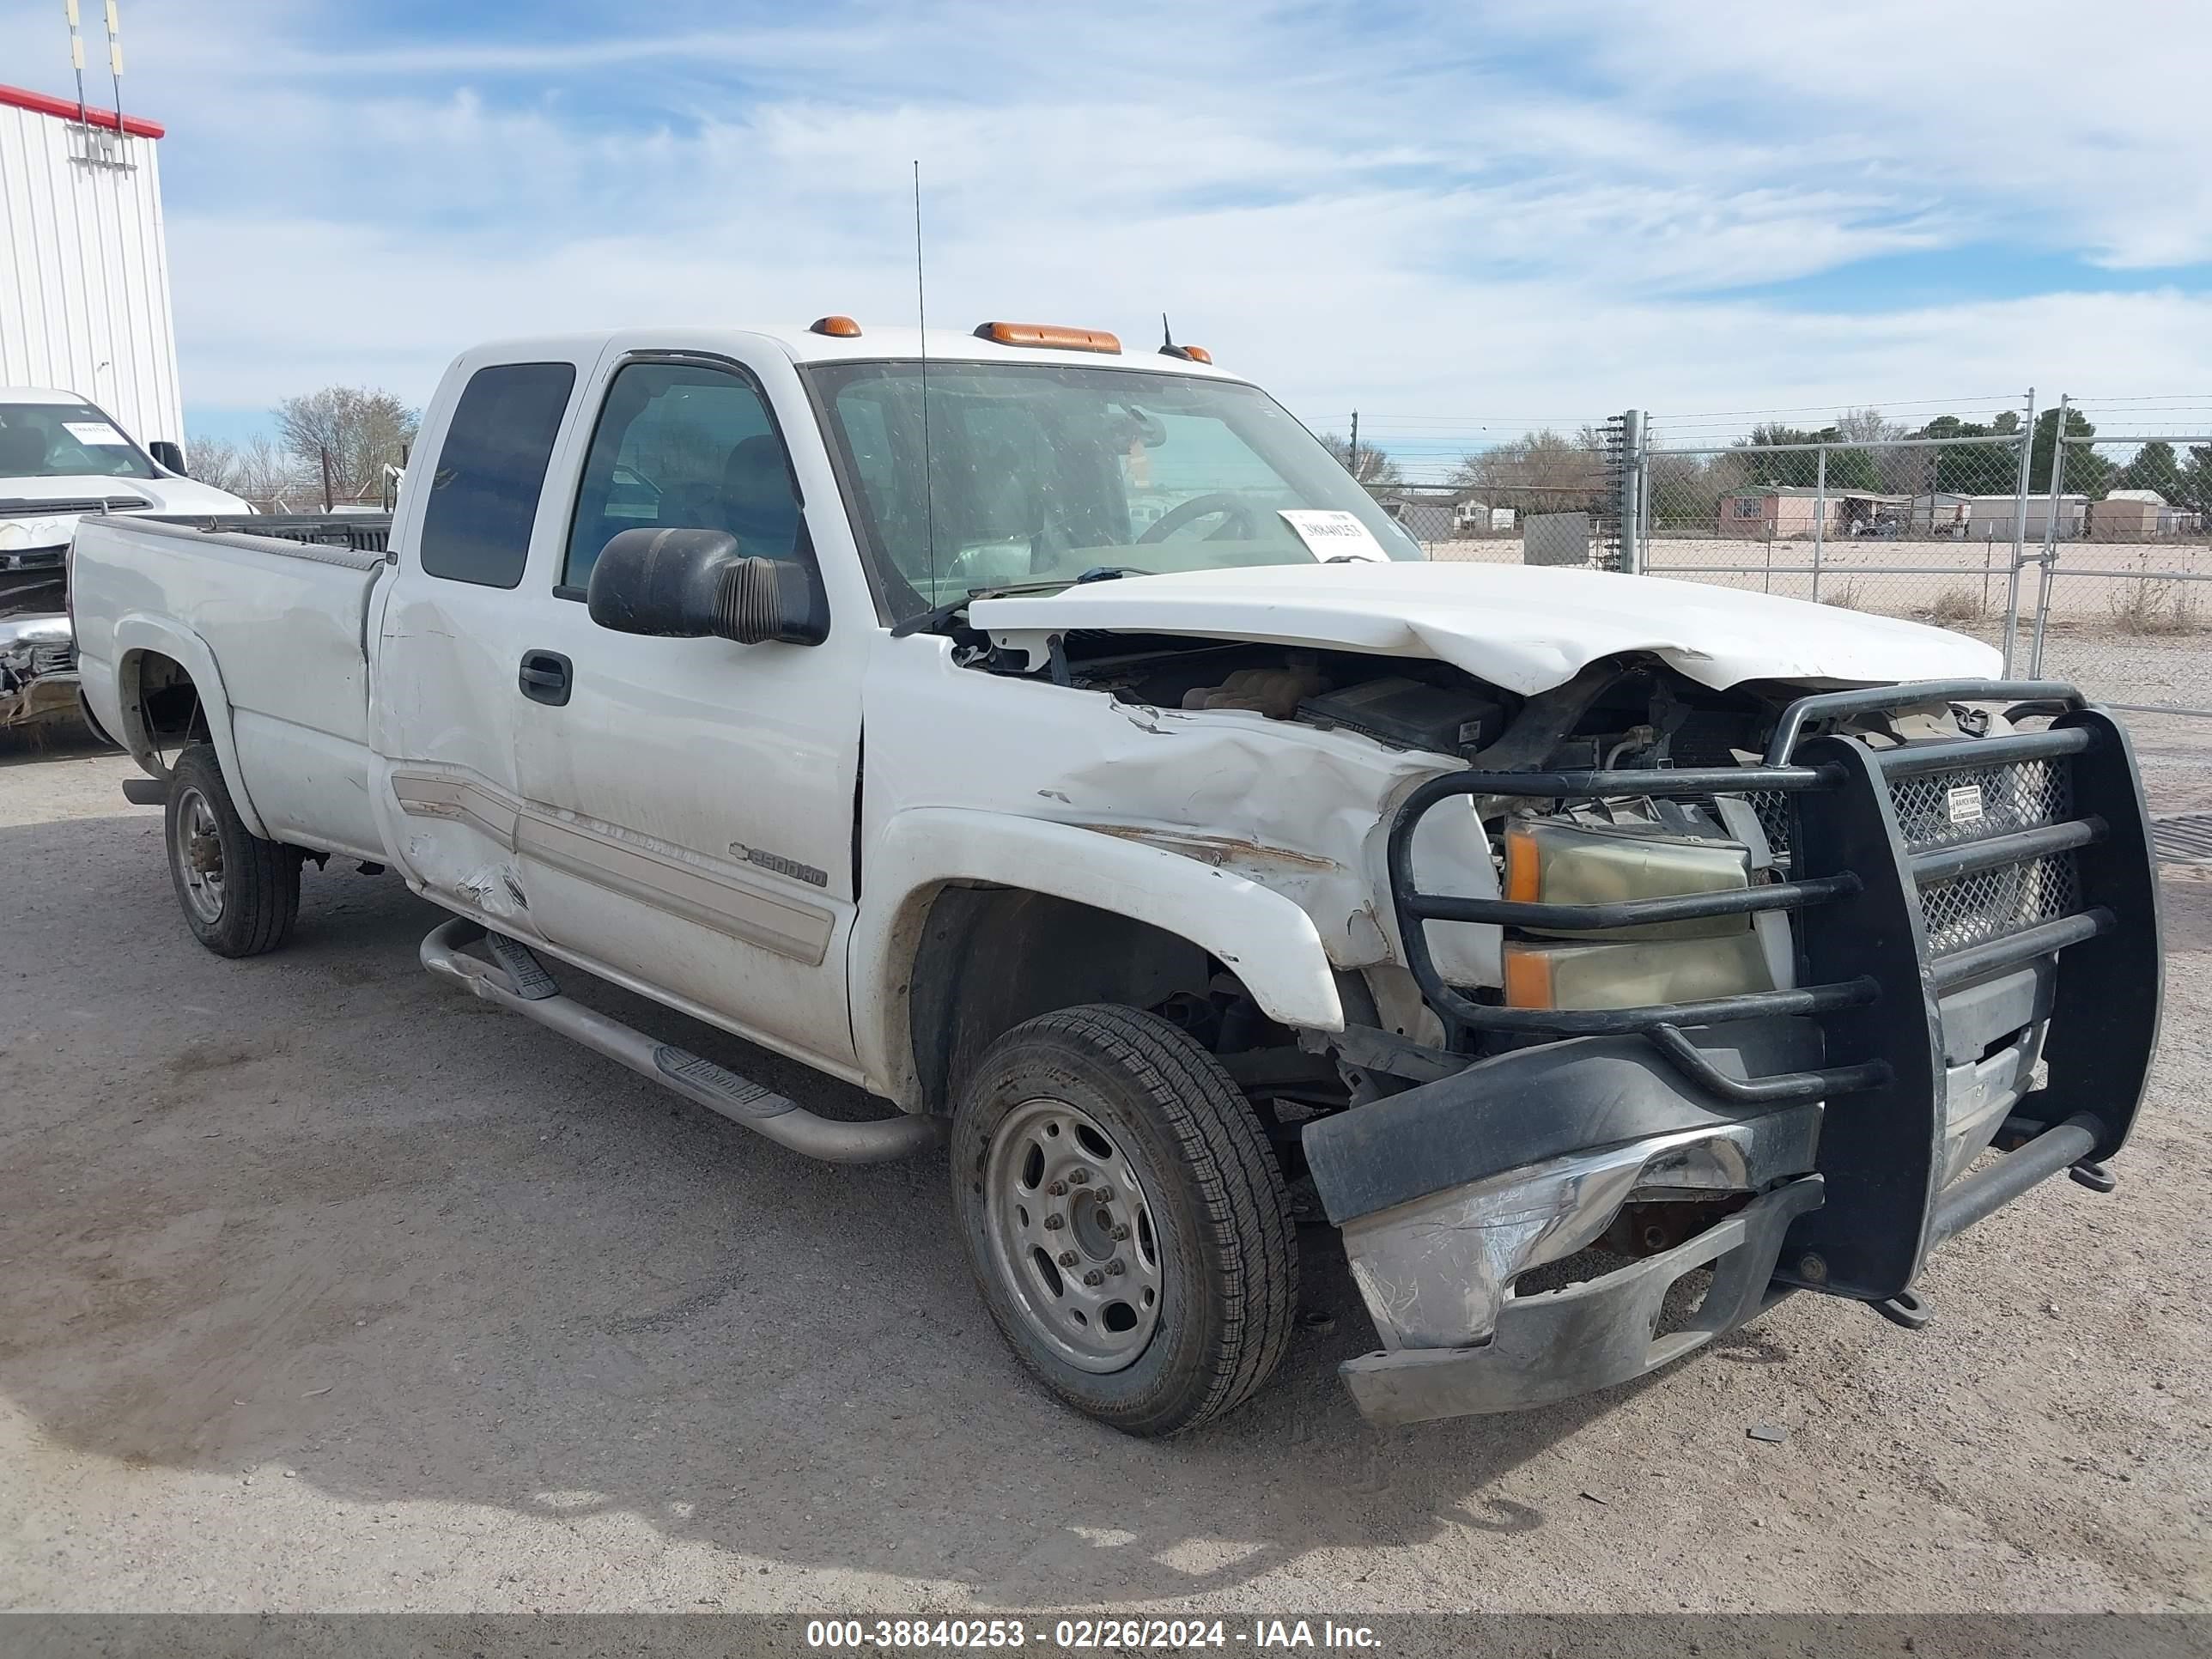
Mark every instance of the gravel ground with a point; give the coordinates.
(323, 1286)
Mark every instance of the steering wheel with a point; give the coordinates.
(1234, 506)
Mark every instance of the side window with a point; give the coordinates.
(683, 447)
(483, 494)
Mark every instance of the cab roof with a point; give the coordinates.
(874, 343)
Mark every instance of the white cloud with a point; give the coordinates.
(1552, 209)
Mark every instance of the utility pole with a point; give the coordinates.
(1355, 447)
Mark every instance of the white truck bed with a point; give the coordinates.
(286, 622)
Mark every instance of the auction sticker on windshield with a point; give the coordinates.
(1332, 534)
(94, 432)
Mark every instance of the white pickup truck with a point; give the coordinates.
(1057, 743)
(61, 458)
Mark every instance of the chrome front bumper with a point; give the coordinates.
(1557, 1344)
(1438, 1268)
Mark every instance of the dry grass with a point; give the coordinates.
(2146, 606)
(1848, 596)
(1955, 605)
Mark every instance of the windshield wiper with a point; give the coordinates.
(937, 616)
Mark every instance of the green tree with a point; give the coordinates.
(1973, 469)
(2088, 473)
(1849, 468)
(2192, 484)
(2154, 467)
(1767, 463)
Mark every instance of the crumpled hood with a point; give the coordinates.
(24, 524)
(1526, 628)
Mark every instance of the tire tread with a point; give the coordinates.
(261, 879)
(1246, 1206)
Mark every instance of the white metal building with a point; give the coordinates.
(84, 270)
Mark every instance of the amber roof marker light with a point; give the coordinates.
(1052, 336)
(1189, 354)
(842, 328)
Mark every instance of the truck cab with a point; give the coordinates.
(1056, 742)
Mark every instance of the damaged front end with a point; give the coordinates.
(37, 670)
(38, 648)
(1757, 1028)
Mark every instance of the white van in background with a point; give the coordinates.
(61, 458)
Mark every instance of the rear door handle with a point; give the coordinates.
(545, 677)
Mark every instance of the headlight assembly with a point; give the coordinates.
(1567, 861)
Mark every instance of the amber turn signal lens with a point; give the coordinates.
(1050, 335)
(843, 327)
(1528, 978)
(1524, 867)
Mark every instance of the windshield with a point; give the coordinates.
(60, 440)
(1039, 473)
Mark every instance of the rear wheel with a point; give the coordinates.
(238, 892)
(1125, 1218)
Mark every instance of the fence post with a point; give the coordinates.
(2019, 532)
(1632, 492)
(2049, 535)
(1819, 514)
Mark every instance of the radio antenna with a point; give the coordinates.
(921, 318)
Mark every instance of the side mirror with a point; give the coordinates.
(167, 453)
(694, 584)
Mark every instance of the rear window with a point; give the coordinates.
(484, 495)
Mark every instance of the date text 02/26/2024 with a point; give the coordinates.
(1082, 1635)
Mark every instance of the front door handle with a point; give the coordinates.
(544, 677)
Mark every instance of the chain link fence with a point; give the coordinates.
(2123, 581)
(2077, 539)
(1925, 524)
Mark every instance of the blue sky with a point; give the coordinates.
(1460, 219)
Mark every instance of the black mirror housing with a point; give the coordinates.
(168, 453)
(696, 584)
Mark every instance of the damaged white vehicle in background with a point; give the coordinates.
(61, 458)
(1060, 745)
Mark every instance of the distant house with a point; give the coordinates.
(1481, 518)
(1778, 512)
(1937, 512)
(1424, 517)
(1989, 518)
(2128, 515)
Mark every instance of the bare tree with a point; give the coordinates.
(271, 478)
(362, 431)
(1867, 425)
(1540, 472)
(1369, 465)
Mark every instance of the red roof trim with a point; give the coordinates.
(22, 99)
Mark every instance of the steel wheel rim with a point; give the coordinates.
(1046, 1145)
(196, 844)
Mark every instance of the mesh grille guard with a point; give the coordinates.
(1898, 898)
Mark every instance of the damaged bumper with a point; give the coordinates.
(1437, 1264)
(1965, 981)
(37, 670)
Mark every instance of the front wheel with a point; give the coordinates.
(238, 892)
(1124, 1217)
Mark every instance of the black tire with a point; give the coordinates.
(250, 905)
(1222, 1247)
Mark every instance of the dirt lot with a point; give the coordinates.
(323, 1286)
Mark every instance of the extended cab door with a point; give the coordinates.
(455, 618)
(690, 816)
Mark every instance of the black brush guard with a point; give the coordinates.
(1867, 973)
